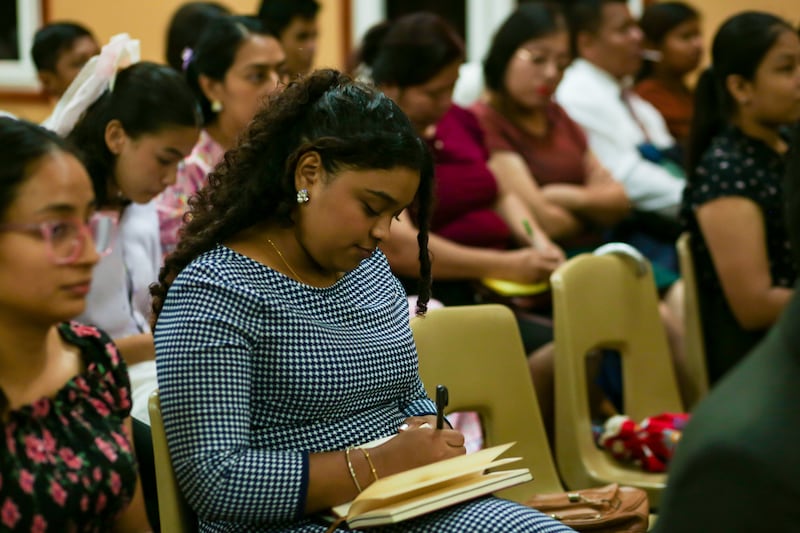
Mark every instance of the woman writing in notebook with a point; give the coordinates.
(282, 336)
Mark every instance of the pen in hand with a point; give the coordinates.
(441, 402)
(529, 231)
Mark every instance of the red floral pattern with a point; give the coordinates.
(66, 464)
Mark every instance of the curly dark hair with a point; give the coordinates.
(349, 124)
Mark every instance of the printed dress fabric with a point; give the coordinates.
(66, 464)
(173, 203)
(736, 165)
(258, 371)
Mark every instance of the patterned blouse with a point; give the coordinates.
(66, 464)
(173, 203)
(258, 371)
(736, 165)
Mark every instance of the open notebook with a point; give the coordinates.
(427, 488)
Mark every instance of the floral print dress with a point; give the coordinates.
(66, 463)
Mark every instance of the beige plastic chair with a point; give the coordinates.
(477, 352)
(694, 344)
(174, 512)
(608, 300)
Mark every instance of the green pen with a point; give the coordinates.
(529, 230)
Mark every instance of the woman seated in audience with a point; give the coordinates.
(66, 462)
(231, 70)
(739, 449)
(674, 49)
(537, 151)
(281, 259)
(734, 198)
(478, 228)
(131, 140)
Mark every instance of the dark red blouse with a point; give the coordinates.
(466, 190)
(557, 157)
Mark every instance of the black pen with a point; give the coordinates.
(441, 402)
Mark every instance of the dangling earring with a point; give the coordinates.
(216, 106)
(302, 196)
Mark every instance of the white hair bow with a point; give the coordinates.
(97, 75)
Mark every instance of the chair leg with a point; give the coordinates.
(143, 445)
(673, 325)
(541, 366)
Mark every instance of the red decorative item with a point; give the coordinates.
(649, 445)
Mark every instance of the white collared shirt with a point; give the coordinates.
(592, 98)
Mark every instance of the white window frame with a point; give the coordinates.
(19, 75)
(483, 18)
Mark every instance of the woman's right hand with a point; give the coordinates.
(530, 265)
(417, 447)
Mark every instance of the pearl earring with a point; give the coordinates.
(302, 196)
(216, 106)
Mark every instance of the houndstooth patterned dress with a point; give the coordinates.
(257, 371)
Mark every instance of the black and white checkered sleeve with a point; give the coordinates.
(205, 347)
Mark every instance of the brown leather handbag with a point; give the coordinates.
(608, 509)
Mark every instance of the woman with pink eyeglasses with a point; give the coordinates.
(66, 459)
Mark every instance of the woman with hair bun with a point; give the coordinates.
(282, 335)
(231, 70)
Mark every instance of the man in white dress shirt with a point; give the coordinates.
(628, 134)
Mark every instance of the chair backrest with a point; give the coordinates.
(608, 301)
(694, 342)
(477, 352)
(174, 512)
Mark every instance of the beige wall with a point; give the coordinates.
(715, 12)
(147, 21)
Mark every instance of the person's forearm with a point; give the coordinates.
(514, 178)
(555, 221)
(449, 260)
(516, 214)
(601, 205)
(330, 482)
(761, 311)
(136, 348)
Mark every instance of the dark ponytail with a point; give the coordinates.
(709, 117)
(739, 48)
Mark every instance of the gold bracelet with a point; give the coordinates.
(371, 465)
(352, 470)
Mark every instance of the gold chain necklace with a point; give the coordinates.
(285, 262)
